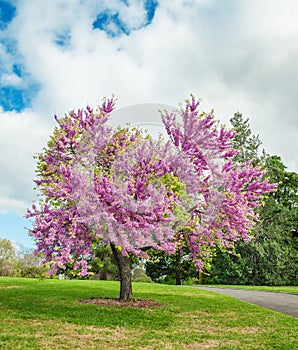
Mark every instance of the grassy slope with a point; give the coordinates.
(46, 315)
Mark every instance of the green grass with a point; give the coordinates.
(46, 315)
(284, 289)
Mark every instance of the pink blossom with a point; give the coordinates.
(122, 188)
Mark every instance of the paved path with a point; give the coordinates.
(283, 302)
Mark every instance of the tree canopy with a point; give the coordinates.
(7, 258)
(121, 187)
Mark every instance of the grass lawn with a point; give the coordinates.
(46, 315)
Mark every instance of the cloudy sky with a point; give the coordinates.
(56, 55)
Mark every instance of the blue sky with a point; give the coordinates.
(15, 228)
(59, 55)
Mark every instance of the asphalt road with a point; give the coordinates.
(283, 302)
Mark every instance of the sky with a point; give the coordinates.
(58, 55)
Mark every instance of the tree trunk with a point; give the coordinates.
(123, 263)
(178, 268)
(178, 278)
(103, 276)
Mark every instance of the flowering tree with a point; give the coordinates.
(122, 188)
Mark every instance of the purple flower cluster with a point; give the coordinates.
(122, 187)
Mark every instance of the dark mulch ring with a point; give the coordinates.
(138, 303)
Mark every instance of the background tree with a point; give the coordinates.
(174, 268)
(245, 141)
(30, 266)
(102, 264)
(271, 257)
(8, 262)
(135, 193)
(139, 272)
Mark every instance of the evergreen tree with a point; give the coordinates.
(244, 141)
(175, 268)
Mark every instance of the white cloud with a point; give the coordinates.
(22, 135)
(235, 55)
